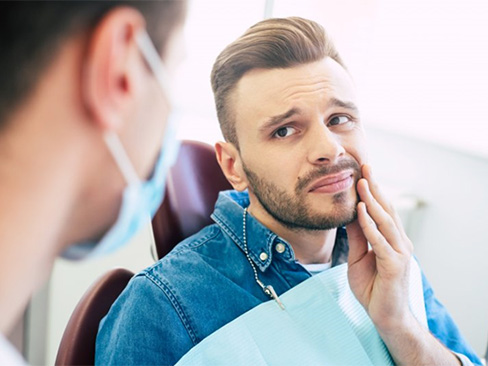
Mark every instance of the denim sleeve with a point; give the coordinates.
(141, 328)
(442, 326)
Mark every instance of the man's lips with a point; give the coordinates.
(333, 183)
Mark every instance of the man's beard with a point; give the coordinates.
(292, 210)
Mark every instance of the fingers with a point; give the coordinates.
(358, 244)
(381, 218)
(380, 245)
(375, 189)
(379, 196)
(381, 212)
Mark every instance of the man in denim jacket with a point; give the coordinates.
(305, 199)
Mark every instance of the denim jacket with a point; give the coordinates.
(206, 281)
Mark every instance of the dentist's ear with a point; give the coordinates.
(111, 68)
(231, 164)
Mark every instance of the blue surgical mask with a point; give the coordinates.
(140, 200)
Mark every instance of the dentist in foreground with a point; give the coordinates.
(86, 136)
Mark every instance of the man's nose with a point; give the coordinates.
(325, 147)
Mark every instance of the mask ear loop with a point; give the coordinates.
(153, 59)
(122, 160)
(121, 157)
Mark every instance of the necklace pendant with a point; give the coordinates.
(269, 290)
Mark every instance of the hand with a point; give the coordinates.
(379, 277)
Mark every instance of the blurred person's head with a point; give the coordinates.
(72, 72)
(84, 106)
(34, 32)
(286, 107)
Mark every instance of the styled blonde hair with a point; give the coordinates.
(269, 44)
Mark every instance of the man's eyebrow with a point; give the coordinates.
(276, 120)
(340, 103)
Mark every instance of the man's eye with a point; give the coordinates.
(339, 120)
(284, 132)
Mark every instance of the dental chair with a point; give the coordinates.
(192, 189)
(77, 346)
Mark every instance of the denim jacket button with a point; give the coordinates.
(280, 248)
(263, 256)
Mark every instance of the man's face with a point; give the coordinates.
(301, 144)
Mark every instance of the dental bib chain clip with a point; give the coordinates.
(267, 289)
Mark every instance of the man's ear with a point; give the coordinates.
(231, 164)
(110, 70)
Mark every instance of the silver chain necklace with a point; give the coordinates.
(267, 289)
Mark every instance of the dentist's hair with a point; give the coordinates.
(31, 33)
(269, 44)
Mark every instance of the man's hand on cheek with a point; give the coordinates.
(379, 277)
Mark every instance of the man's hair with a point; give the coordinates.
(31, 33)
(269, 44)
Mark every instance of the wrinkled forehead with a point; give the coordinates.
(262, 93)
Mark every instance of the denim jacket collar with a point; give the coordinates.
(228, 214)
